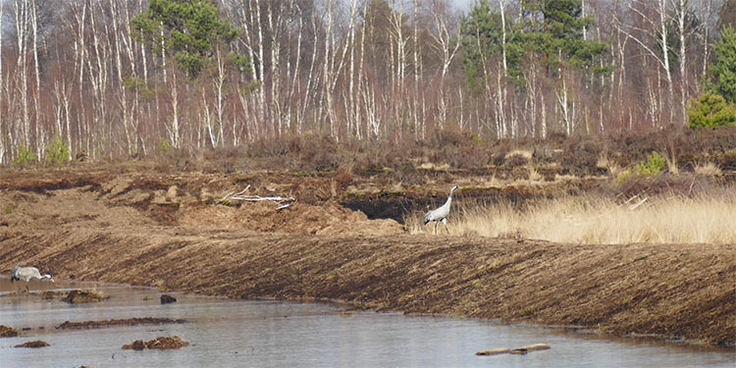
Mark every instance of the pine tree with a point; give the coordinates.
(722, 73)
(551, 29)
(558, 36)
(190, 30)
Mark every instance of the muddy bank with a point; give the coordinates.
(671, 291)
(167, 231)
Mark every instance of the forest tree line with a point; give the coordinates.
(123, 77)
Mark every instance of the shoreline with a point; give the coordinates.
(667, 291)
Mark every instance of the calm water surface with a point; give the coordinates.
(240, 333)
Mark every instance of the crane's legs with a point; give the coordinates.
(444, 222)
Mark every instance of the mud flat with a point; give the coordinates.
(112, 228)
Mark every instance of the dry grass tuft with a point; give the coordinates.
(708, 169)
(590, 220)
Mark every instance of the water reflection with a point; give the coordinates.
(233, 333)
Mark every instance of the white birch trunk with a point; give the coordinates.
(37, 95)
(665, 51)
(681, 12)
(5, 131)
(174, 128)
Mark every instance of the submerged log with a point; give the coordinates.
(535, 347)
(493, 351)
(520, 351)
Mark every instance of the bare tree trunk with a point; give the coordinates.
(418, 131)
(121, 84)
(352, 117)
(275, 101)
(399, 41)
(361, 82)
(662, 37)
(502, 5)
(79, 61)
(327, 94)
(446, 51)
(706, 30)
(665, 51)
(680, 14)
(143, 50)
(544, 116)
(21, 26)
(261, 68)
(219, 84)
(5, 131)
(174, 128)
(37, 96)
(294, 94)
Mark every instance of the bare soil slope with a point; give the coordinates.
(134, 228)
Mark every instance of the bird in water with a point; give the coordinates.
(27, 274)
(440, 214)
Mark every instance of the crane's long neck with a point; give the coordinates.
(449, 200)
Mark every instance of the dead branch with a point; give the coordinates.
(282, 202)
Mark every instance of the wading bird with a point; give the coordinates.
(27, 274)
(440, 214)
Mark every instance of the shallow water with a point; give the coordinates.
(240, 333)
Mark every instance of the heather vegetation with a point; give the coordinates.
(115, 79)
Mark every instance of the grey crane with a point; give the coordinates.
(440, 214)
(27, 274)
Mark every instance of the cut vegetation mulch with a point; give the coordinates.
(118, 322)
(161, 343)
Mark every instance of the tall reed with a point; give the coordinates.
(588, 219)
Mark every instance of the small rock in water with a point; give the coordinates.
(6, 331)
(84, 296)
(33, 344)
(161, 342)
(135, 345)
(166, 299)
